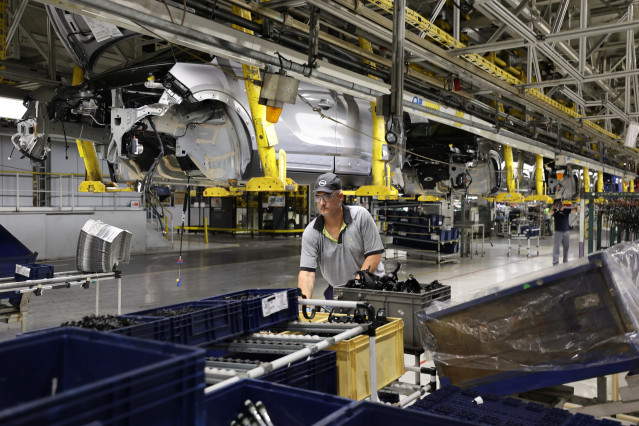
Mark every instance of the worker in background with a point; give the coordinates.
(547, 220)
(340, 241)
(562, 230)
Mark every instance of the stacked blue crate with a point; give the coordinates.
(455, 403)
(12, 252)
(203, 324)
(263, 308)
(318, 373)
(73, 376)
(153, 328)
(33, 271)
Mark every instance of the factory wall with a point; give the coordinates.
(53, 229)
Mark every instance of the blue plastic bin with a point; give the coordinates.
(253, 302)
(153, 328)
(71, 376)
(366, 413)
(450, 247)
(316, 373)
(285, 405)
(12, 252)
(210, 323)
(34, 271)
(319, 373)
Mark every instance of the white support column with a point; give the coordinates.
(456, 22)
(97, 297)
(583, 24)
(630, 42)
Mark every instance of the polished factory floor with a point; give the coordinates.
(227, 263)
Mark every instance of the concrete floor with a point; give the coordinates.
(228, 264)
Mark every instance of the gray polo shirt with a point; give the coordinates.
(339, 261)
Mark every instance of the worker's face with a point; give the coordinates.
(328, 203)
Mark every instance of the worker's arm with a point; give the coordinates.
(306, 282)
(371, 261)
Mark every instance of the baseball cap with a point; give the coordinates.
(328, 182)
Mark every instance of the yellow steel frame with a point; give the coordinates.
(539, 182)
(379, 140)
(600, 182)
(429, 198)
(431, 30)
(86, 149)
(274, 179)
(223, 192)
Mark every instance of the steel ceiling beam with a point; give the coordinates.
(16, 21)
(357, 14)
(500, 12)
(559, 21)
(438, 8)
(587, 79)
(548, 38)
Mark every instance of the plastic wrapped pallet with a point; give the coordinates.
(559, 325)
(102, 247)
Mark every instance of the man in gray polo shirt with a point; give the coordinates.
(341, 240)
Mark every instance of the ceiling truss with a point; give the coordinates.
(566, 66)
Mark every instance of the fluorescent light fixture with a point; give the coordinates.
(11, 108)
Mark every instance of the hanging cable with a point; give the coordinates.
(187, 200)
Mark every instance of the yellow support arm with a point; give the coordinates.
(87, 152)
(632, 185)
(381, 182)
(510, 176)
(511, 196)
(264, 131)
(539, 182)
(86, 149)
(379, 139)
(539, 174)
(586, 179)
(600, 185)
(274, 179)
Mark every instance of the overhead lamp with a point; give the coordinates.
(277, 89)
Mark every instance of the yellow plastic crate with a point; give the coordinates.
(353, 364)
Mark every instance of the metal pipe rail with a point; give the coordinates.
(66, 280)
(287, 359)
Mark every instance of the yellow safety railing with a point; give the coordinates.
(442, 37)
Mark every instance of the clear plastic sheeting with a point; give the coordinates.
(102, 247)
(553, 326)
